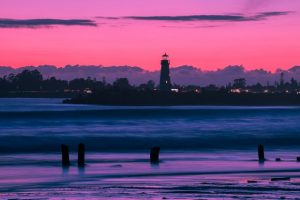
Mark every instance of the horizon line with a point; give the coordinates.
(155, 70)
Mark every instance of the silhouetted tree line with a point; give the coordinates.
(292, 86)
(33, 81)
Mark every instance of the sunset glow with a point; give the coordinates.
(205, 34)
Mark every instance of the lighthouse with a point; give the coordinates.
(165, 80)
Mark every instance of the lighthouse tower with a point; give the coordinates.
(165, 81)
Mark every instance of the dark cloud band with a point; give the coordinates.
(231, 18)
(37, 23)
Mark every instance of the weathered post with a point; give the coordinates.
(154, 155)
(81, 155)
(261, 153)
(65, 159)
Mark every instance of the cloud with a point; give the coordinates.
(271, 14)
(40, 23)
(223, 17)
(190, 18)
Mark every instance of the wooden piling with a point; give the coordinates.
(65, 159)
(154, 155)
(81, 155)
(278, 159)
(281, 179)
(261, 153)
(298, 159)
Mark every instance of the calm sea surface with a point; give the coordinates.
(207, 152)
(41, 125)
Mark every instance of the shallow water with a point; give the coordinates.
(188, 175)
(207, 152)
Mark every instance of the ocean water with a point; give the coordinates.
(207, 152)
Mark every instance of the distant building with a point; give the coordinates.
(239, 83)
(165, 80)
(281, 79)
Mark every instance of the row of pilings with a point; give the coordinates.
(154, 155)
(65, 158)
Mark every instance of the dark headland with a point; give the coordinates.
(158, 98)
(123, 94)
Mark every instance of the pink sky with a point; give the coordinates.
(271, 42)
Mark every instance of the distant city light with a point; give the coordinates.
(235, 91)
(88, 91)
